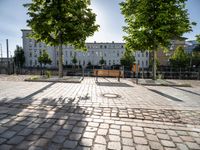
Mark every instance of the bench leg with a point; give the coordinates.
(96, 78)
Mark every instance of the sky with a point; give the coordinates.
(13, 18)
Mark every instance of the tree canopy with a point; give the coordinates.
(58, 22)
(44, 58)
(196, 54)
(197, 48)
(198, 38)
(127, 59)
(180, 58)
(102, 61)
(72, 18)
(19, 57)
(74, 60)
(152, 24)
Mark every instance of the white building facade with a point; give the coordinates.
(111, 53)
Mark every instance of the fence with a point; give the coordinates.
(6, 68)
(162, 72)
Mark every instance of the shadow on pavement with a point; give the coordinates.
(166, 95)
(114, 84)
(48, 124)
(187, 91)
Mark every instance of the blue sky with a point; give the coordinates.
(13, 18)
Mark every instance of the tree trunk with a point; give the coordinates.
(154, 64)
(142, 70)
(60, 58)
(170, 72)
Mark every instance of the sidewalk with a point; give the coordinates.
(88, 116)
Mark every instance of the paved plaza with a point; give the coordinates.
(104, 115)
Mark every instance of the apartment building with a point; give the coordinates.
(111, 53)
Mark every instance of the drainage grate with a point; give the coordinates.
(111, 95)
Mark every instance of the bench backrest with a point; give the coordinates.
(108, 73)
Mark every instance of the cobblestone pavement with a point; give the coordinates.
(55, 116)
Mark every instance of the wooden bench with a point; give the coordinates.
(108, 73)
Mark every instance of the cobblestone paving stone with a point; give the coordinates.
(76, 116)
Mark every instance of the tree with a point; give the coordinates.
(127, 59)
(197, 48)
(58, 22)
(196, 59)
(180, 58)
(44, 58)
(151, 63)
(89, 64)
(151, 24)
(19, 57)
(102, 62)
(198, 38)
(74, 60)
(196, 54)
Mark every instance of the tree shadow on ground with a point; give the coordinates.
(50, 124)
(166, 95)
(186, 91)
(114, 84)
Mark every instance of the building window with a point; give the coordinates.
(66, 53)
(104, 54)
(122, 46)
(105, 46)
(30, 62)
(117, 54)
(113, 62)
(146, 63)
(142, 54)
(138, 62)
(71, 54)
(101, 46)
(138, 54)
(66, 62)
